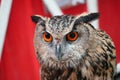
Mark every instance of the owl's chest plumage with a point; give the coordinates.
(89, 68)
(81, 72)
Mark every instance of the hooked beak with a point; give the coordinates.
(58, 51)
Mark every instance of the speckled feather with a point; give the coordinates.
(91, 57)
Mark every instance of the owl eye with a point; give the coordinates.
(72, 36)
(47, 37)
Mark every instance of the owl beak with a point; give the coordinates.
(58, 51)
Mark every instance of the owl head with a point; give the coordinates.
(62, 41)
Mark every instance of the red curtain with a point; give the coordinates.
(18, 57)
(110, 19)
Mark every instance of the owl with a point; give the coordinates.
(69, 48)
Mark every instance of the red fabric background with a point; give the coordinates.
(18, 57)
(110, 21)
(18, 60)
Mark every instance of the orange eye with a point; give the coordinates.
(47, 37)
(72, 36)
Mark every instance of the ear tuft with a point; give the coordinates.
(37, 18)
(87, 18)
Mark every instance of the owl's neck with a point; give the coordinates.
(78, 73)
(60, 74)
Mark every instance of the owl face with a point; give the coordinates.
(61, 41)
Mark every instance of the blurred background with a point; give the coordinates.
(17, 55)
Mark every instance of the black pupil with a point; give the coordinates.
(47, 35)
(72, 35)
